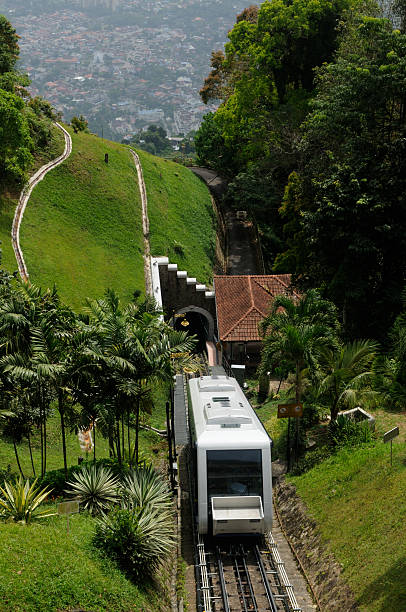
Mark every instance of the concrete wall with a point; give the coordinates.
(176, 292)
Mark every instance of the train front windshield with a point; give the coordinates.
(234, 472)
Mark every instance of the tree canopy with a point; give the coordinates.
(311, 133)
(24, 121)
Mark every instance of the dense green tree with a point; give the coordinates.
(295, 332)
(9, 49)
(348, 207)
(153, 139)
(210, 146)
(15, 140)
(79, 124)
(135, 350)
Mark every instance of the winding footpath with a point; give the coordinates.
(145, 225)
(25, 196)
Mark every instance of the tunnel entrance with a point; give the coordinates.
(196, 324)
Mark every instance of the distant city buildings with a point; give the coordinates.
(123, 64)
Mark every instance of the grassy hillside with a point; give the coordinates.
(82, 226)
(359, 503)
(9, 199)
(180, 215)
(45, 569)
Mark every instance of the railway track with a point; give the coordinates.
(242, 576)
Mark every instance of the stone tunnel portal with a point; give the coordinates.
(196, 324)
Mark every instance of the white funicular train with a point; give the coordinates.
(232, 457)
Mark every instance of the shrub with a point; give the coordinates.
(345, 432)
(144, 488)
(95, 487)
(21, 502)
(137, 539)
(55, 479)
(311, 458)
(7, 475)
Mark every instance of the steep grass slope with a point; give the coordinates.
(46, 569)
(82, 226)
(359, 503)
(180, 215)
(9, 200)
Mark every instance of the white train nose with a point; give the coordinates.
(237, 514)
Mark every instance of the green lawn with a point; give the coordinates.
(359, 503)
(180, 215)
(82, 226)
(44, 569)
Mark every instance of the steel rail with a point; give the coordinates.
(265, 580)
(282, 572)
(223, 586)
(249, 583)
(205, 584)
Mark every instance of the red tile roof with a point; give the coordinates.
(243, 301)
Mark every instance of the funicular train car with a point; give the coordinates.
(232, 457)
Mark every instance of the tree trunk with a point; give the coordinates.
(45, 442)
(42, 443)
(297, 382)
(118, 441)
(298, 396)
(122, 435)
(137, 426)
(32, 460)
(94, 441)
(112, 451)
(61, 413)
(128, 437)
(137, 429)
(17, 458)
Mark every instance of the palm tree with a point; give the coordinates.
(390, 369)
(295, 331)
(25, 360)
(135, 350)
(346, 374)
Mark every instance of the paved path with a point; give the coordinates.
(145, 224)
(242, 252)
(25, 196)
(216, 183)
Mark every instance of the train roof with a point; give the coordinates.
(222, 414)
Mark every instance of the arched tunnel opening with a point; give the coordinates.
(196, 324)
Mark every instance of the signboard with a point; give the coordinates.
(389, 435)
(290, 410)
(68, 507)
